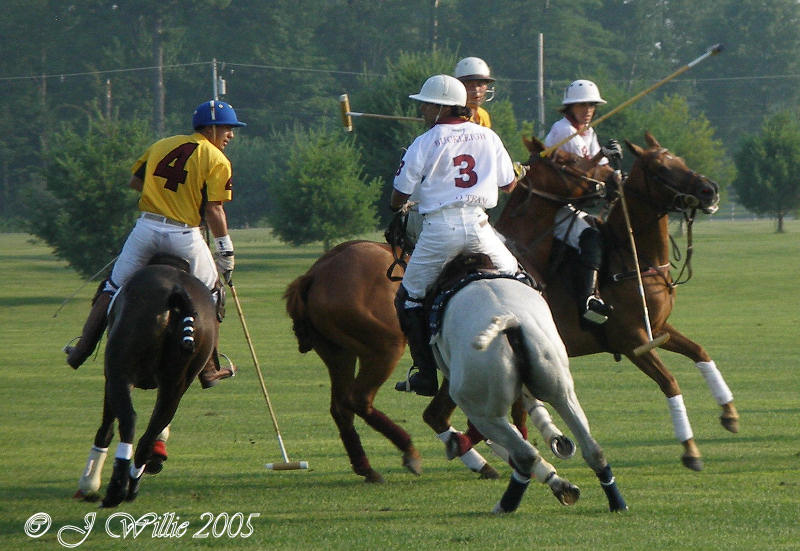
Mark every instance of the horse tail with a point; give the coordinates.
(499, 324)
(296, 295)
(181, 304)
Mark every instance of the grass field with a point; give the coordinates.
(741, 305)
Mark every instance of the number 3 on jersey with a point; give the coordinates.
(467, 176)
(171, 166)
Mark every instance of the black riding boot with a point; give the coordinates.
(414, 323)
(591, 254)
(91, 333)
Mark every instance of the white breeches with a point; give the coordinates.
(445, 234)
(570, 223)
(149, 237)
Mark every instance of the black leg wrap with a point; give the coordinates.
(609, 484)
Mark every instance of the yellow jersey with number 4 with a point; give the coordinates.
(179, 174)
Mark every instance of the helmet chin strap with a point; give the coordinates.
(438, 115)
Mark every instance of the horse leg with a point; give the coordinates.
(719, 389)
(156, 462)
(653, 367)
(372, 373)
(90, 480)
(526, 462)
(572, 413)
(562, 446)
(122, 406)
(341, 366)
(456, 444)
(169, 396)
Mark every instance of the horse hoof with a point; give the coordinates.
(154, 465)
(566, 492)
(730, 423)
(488, 472)
(693, 463)
(412, 461)
(563, 447)
(373, 477)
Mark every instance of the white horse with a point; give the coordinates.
(496, 336)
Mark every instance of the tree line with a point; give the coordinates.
(91, 83)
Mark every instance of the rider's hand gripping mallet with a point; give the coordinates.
(347, 115)
(286, 465)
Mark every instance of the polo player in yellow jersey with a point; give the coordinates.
(474, 73)
(184, 180)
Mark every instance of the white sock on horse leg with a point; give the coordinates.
(680, 420)
(719, 389)
(124, 451)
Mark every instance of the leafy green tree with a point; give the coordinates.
(85, 208)
(767, 181)
(320, 192)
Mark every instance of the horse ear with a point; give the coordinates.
(635, 149)
(651, 141)
(533, 144)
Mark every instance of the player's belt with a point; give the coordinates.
(163, 220)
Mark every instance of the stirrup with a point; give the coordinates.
(596, 310)
(418, 383)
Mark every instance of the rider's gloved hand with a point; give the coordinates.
(224, 257)
(612, 150)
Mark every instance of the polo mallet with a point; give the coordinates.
(661, 339)
(286, 465)
(713, 50)
(347, 115)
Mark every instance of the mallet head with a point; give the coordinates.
(347, 120)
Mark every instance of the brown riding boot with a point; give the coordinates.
(91, 333)
(212, 373)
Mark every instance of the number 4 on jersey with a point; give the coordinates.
(171, 166)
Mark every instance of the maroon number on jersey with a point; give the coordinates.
(467, 176)
(171, 166)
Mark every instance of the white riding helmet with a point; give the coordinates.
(582, 91)
(442, 90)
(472, 68)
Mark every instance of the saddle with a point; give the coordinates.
(458, 273)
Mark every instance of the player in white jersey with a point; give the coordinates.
(454, 170)
(572, 226)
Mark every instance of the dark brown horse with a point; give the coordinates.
(342, 308)
(161, 331)
(659, 183)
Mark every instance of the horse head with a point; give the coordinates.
(563, 177)
(665, 179)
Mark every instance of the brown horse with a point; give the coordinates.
(342, 308)
(659, 183)
(161, 331)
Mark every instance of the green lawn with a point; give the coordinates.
(741, 305)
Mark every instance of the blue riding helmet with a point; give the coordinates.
(215, 113)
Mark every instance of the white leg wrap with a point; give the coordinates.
(136, 472)
(90, 480)
(124, 451)
(680, 420)
(719, 389)
(164, 434)
(543, 471)
(543, 422)
(473, 460)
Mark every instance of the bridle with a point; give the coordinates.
(564, 172)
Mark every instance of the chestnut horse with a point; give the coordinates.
(659, 183)
(161, 331)
(343, 309)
